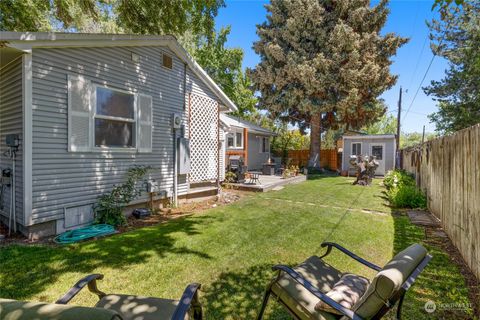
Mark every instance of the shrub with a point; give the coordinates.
(398, 178)
(407, 196)
(110, 206)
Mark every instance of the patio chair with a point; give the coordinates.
(301, 289)
(109, 306)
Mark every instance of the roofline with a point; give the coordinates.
(264, 131)
(26, 41)
(370, 136)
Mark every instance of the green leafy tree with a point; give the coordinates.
(386, 124)
(224, 65)
(288, 139)
(413, 138)
(324, 63)
(456, 37)
(130, 16)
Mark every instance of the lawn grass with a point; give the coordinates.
(231, 249)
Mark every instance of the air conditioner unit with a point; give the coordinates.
(177, 121)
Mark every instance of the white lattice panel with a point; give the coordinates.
(203, 138)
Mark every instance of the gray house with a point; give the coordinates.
(81, 109)
(246, 139)
(381, 146)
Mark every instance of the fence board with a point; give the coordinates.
(328, 158)
(448, 170)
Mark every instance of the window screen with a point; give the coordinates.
(114, 118)
(377, 152)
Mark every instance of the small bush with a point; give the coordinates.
(398, 178)
(407, 197)
(110, 206)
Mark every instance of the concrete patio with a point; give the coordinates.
(267, 183)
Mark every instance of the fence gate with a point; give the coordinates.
(203, 119)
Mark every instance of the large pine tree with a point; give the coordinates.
(456, 37)
(324, 63)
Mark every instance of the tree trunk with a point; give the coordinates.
(315, 141)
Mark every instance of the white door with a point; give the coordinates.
(378, 150)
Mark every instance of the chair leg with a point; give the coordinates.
(399, 307)
(264, 303)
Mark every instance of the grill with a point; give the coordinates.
(237, 165)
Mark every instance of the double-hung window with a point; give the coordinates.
(235, 140)
(264, 144)
(356, 148)
(103, 118)
(115, 118)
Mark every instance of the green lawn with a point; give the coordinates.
(230, 250)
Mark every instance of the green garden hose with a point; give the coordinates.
(72, 236)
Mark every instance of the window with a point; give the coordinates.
(239, 140)
(235, 140)
(102, 118)
(264, 147)
(114, 118)
(167, 61)
(356, 148)
(377, 152)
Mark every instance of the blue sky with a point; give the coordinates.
(407, 18)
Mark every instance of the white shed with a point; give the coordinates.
(382, 146)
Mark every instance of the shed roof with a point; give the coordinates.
(231, 121)
(26, 41)
(370, 136)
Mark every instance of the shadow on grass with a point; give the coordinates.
(239, 294)
(28, 270)
(318, 176)
(440, 282)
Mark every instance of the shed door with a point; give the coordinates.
(378, 150)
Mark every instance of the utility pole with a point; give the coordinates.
(423, 134)
(397, 160)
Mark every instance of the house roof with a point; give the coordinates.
(231, 121)
(371, 136)
(26, 41)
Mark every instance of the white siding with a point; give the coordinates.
(63, 179)
(11, 122)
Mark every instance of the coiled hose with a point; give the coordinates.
(72, 236)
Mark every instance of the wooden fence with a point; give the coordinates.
(328, 158)
(448, 169)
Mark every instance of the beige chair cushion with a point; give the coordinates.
(389, 280)
(20, 310)
(347, 291)
(299, 299)
(139, 308)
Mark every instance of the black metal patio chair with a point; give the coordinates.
(300, 289)
(109, 306)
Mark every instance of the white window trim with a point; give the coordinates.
(234, 133)
(351, 147)
(95, 116)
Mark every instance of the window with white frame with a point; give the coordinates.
(264, 144)
(114, 118)
(102, 118)
(235, 140)
(356, 148)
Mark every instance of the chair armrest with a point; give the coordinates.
(189, 299)
(317, 293)
(90, 280)
(352, 255)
